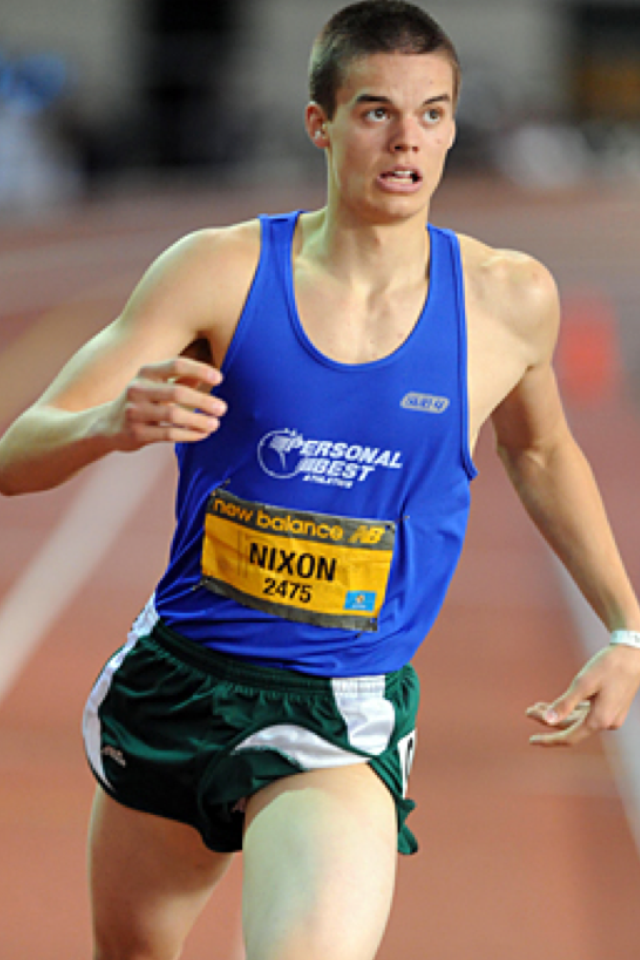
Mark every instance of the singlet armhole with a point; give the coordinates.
(463, 359)
(253, 293)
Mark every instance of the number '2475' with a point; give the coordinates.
(288, 589)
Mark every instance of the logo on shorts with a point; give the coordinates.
(284, 454)
(115, 754)
(424, 403)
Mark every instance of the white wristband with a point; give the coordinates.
(626, 638)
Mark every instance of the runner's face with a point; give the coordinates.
(390, 134)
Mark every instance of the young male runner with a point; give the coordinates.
(264, 699)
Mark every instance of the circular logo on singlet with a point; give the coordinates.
(285, 453)
(279, 453)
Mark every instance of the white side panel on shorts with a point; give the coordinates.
(300, 745)
(369, 717)
(91, 726)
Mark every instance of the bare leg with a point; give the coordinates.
(319, 866)
(150, 879)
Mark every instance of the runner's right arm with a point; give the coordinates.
(129, 386)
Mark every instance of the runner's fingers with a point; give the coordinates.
(182, 369)
(579, 713)
(606, 715)
(143, 392)
(148, 422)
(146, 434)
(570, 734)
(540, 713)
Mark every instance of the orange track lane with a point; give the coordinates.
(524, 853)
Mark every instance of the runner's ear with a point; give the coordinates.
(316, 125)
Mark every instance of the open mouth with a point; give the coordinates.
(401, 176)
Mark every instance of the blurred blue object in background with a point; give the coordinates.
(37, 167)
(33, 83)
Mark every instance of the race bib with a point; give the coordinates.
(309, 567)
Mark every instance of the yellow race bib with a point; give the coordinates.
(310, 567)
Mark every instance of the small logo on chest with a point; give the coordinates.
(424, 403)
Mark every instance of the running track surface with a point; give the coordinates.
(524, 853)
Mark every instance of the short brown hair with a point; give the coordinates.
(368, 27)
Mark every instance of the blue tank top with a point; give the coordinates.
(318, 529)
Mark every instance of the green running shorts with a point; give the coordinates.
(177, 730)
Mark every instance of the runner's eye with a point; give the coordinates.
(433, 115)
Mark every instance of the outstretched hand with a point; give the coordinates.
(168, 401)
(598, 699)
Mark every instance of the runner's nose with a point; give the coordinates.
(405, 136)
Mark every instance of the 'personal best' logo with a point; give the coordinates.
(284, 454)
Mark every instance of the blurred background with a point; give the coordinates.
(95, 93)
(125, 124)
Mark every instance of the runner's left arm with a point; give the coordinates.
(558, 489)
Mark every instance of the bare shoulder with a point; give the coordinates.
(197, 287)
(232, 244)
(515, 289)
(224, 256)
(512, 312)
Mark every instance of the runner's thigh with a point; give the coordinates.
(150, 879)
(320, 854)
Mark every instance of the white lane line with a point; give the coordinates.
(237, 945)
(623, 746)
(112, 493)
